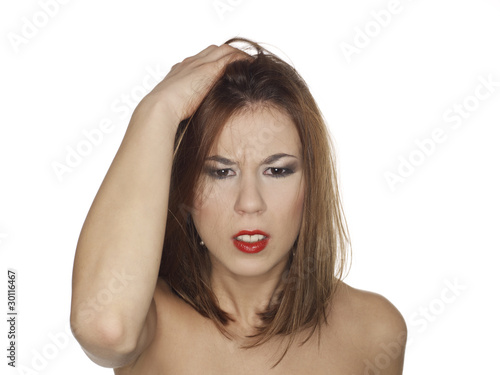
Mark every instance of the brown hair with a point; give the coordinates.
(317, 261)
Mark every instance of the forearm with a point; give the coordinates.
(120, 245)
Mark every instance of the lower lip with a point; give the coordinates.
(251, 248)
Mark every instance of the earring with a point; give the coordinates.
(202, 243)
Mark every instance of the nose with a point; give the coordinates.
(249, 198)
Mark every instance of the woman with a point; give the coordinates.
(231, 153)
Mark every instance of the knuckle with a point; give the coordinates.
(227, 48)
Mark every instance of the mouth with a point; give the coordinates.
(251, 242)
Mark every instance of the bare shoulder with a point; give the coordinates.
(373, 325)
(373, 312)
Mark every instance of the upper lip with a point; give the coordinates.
(250, 232)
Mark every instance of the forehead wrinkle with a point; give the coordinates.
(241, 139)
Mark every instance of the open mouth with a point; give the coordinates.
(251, 241)
(250, 238)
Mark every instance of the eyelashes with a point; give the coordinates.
(279, 172)
(219, 174)
(274, 172)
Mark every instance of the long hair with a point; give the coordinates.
(318, 258)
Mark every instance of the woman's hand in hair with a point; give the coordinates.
(188, 82)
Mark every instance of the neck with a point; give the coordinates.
(243, 297)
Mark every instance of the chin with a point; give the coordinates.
(246, 266)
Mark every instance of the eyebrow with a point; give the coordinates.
(270, 159)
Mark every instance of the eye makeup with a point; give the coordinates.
(272, 171)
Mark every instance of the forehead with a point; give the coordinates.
(257, 133)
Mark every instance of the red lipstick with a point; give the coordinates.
(251, 247)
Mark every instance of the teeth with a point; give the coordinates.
(250, 238)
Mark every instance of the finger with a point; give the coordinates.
(198, 57)
(232, 56)
(205, 51)
(221, 52)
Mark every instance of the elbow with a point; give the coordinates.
(103, 338)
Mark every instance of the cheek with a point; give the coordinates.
(204, 196)
(299, 204)
(208, 208)
(290, 205)
(299, 207)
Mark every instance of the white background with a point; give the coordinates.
(436, 227)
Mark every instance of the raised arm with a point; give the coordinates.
(118, 254)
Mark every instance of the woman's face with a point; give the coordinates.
(252, 181)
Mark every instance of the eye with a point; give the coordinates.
(278, 172)
(220, 174)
